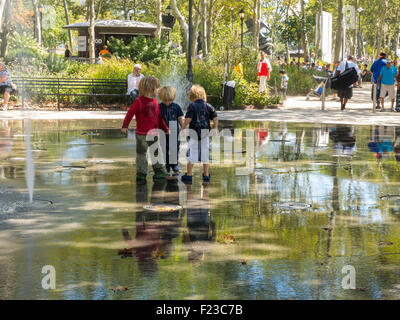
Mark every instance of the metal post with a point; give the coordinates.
(189, 75)
(58, 94)
(241, 39)
(94, 95)
(23, 93)
(374, 87)
(323, 96)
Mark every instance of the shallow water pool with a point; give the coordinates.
(319, 198)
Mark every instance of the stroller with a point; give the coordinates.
(317, 92)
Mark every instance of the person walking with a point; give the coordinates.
(347, 93)
(264, 72)
(386, 82)
(376, 71)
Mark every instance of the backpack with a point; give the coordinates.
(202, 119)
(345, 79)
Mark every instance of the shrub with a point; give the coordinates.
(300, 81)
(24, 48)
(209, 76)
(55, 63)
(141, 49)
(247, 94)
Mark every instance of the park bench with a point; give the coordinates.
(59, 87)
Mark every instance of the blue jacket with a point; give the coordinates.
(376, 69)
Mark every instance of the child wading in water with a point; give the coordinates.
(148, 117)
(198, 118)
(173, 117)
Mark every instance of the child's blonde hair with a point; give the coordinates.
(197, 92)
(148, 85)
(167, 94)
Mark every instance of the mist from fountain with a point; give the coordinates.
(30, 167)
(179, 82)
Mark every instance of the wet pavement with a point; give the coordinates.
(321, 197)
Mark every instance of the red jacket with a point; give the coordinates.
(264, 67)
(148, 116)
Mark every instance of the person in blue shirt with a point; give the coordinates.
(173, 116)
(386, 81)
(376, 71)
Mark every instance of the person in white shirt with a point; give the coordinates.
(346, 94)
(133, 83)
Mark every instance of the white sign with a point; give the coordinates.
(82, 43)
(324, 29)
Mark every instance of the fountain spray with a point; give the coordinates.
(30, 167)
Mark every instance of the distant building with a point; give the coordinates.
(105, 29)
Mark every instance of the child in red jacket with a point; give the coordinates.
(148, 117)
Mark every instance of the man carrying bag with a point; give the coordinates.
(348, 73)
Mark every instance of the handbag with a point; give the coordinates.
(345, 79)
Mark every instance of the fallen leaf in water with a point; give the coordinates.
(384, 243)
(243, 261)
(118, 288)
(226, 238)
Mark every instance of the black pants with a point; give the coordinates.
(132, 96)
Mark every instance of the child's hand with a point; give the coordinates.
(214, 132)
(124, 130)
(168, 132)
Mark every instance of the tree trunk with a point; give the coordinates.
(210, 12)
(182, 23)
(318, 40)
(5, 30)
(204, 27)
(125, 9)
(36, 16)
(196, 25)
(2, 6)
(339, 31)
(304, 31)
(354, 44)
(68, 22)
(159, 21)
(256, 15)
(287, 40)
(92, 51)
(210, 21)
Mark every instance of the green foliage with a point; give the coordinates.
(300, 81)
(210, 76)
(55, 63)
(247, 94)
(25, 49)
(140, 49)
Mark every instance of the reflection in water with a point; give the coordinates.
(201, 230)
(350, 217)
(154, 230)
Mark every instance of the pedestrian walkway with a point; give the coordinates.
(295, 109)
